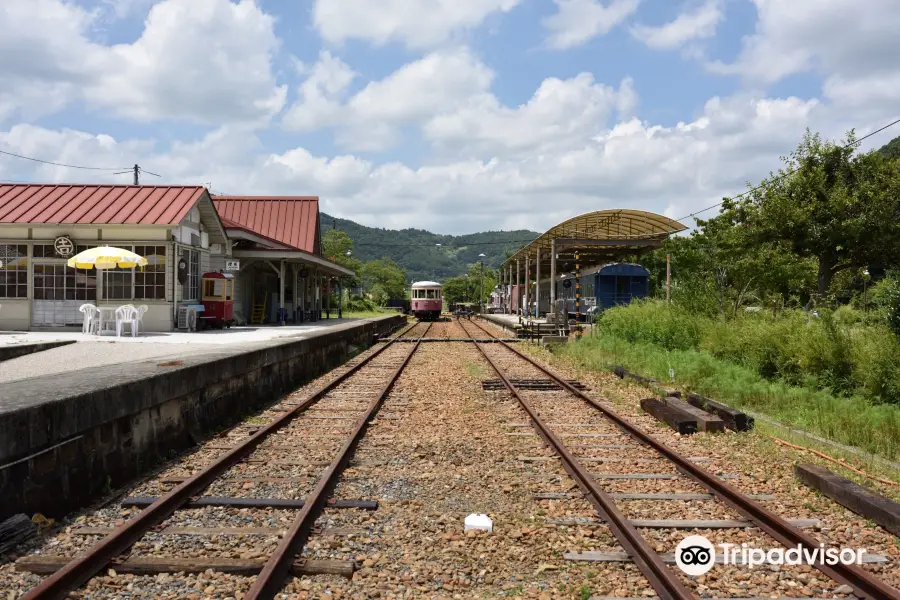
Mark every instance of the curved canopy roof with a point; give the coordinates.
(602, 234)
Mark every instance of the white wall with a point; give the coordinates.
(15, 315)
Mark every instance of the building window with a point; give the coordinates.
(13, 271)
(150, 281)
(117, 284)
(192, 285)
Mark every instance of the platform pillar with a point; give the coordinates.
(518, 288)
(537, 284)
(553, 277)
(527, 285)
(577, 295)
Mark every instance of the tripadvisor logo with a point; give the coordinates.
(695, 555)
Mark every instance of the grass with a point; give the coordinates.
(852, 419)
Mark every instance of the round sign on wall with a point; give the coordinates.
(64, 246)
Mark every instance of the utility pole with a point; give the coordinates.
(137, 171)
(481, 297)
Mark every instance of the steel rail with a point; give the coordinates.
(863, 583)
(663, 580)
(271, 578)
(81, 569)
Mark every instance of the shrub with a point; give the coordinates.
(886, 299)
(845, 351)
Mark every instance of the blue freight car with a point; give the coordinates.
(601, 287)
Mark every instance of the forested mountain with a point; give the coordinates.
(416, 250)
(892, 148)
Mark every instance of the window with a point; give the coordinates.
(150, 281)
(192, 285)
(13, 271)
(117, 284)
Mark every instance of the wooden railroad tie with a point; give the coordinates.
(44, 564)
(678, 420)
(145, 501)
(213, 531)
(860, 500)
(685, 523)
(705, 421)
(530, 384)
(642, 496)
(733, 418)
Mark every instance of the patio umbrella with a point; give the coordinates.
(106, 257)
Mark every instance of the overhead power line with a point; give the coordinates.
(136, 170)
(786, 173)
(56, 164)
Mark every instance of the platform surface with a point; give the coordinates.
(93, 352)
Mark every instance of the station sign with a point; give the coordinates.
(64, 246)
(232, 265)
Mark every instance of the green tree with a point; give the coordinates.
(837, 208)
(336, 245)
(387, 275)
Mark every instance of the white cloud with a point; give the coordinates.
(201, 60)
(577, 21)
(698, 23)
(631, 164)
(559, 114)
(415, 23)
(845, 41)
(320, 94)
(371, 118)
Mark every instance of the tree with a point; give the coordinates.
(387, 275)
(335, 246)
(838, 209)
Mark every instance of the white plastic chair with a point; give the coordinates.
(126, 315)
(91, 318)
(140, 315)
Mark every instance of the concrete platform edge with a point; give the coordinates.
(65, 439)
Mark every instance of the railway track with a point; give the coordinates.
(625, 447)
(324, 429)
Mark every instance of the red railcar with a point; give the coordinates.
(218, 299)
(426, 300)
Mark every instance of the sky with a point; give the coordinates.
(454, 116)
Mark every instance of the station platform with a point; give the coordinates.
(78, 418)
(515, 323)
(72, 350)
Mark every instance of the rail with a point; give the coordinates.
(863, 583)
(81, 569)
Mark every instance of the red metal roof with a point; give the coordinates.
(290, 220)
(97, 204)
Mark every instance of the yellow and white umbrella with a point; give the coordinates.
(106, 257)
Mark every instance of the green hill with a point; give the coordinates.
(891, 149)
(416, 250)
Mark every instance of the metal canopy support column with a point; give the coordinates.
(340, 298)
(294, 290)
(281, 292)
(537, 284)
(518, 288)
(509, 280)
(527, 285)
(553, 277)
(577, 294)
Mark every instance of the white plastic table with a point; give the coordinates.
(107, 315)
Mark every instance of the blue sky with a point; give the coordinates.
(453, 117)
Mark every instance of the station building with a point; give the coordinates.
(180, 232)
